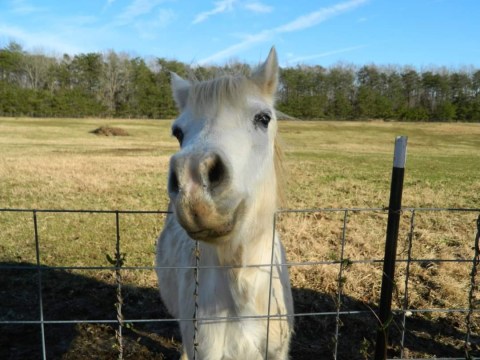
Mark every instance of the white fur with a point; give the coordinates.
(222, 121)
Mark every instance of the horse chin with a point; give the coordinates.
(216, 229)
(210, 235)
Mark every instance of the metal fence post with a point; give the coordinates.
(40, 285)
(394, 207)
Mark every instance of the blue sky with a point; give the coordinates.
(420, 33)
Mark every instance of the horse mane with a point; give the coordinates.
(279, 171)
(232, 89)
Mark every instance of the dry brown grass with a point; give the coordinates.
(56, 163)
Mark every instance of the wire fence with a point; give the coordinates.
(326, 324)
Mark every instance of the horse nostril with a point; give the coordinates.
(173, 186)
(213, 171)
(216, 173)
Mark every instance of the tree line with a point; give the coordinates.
(112, 84)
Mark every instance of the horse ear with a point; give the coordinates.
(266, 75)
(180, 88)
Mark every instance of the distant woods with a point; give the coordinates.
(114, 84)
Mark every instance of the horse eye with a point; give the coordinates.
(262, 119)
(178, 133)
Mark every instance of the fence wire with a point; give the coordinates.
(340, 312)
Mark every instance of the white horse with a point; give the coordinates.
(223, 193)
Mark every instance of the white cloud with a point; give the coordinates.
(224, 6)
(300, 23)
(108, 4)
(137, 8)
(165, 17)
(220, 7)
(145, 19)
(324, 54)
(316, 17)
(234, 49)
(149, 29)
(74, 22)
(258, 7)
(22, 7)
(32, 41)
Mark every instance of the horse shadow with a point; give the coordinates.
(71, 295)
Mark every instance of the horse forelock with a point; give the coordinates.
(211, 95)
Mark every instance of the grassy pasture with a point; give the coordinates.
(59, 164)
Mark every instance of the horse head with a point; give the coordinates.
(226, 163)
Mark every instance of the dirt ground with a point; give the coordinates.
(71, 295)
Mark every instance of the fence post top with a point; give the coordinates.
(400, 153)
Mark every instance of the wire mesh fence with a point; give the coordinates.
(82, 284)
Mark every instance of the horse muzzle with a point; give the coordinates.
(199, 188)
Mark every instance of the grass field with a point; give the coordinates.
(59, 164)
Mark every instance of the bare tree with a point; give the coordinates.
(115, 79)
(35, 69)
